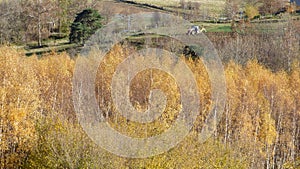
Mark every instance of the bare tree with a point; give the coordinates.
(183, 4)
(232, 7)
(12, 25)
(37, 13)
(66, 11)
(271, 6)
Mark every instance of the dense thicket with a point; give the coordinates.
(259, 129)
(276, 47)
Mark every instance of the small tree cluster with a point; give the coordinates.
(35, 20)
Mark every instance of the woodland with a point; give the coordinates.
(260, 123)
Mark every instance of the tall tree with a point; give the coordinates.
(38, 14)
(232, 7)
(85, 24)
(67, 10)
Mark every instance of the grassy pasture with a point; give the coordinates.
(176, 3)
(210, 7)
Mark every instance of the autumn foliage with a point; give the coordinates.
(38, 127)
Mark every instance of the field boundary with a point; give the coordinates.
(50, 49)
(145, 5)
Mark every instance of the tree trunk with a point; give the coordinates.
(39, 25)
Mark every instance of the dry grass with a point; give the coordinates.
(215, 3)
(215, 6)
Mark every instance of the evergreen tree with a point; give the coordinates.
(85, 24)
